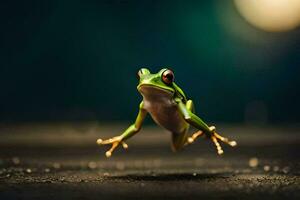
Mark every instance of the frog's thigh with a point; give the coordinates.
(179, 139)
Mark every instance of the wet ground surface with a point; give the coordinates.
(62, 161)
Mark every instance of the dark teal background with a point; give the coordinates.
(77, 60)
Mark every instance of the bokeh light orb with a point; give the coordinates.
(271, 15)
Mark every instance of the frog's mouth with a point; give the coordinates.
(153, 90)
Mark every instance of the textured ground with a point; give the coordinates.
(62, 161)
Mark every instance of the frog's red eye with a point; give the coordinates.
(167, 77)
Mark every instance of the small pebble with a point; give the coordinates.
(253, 162)
(105, 174)
(16, 160)
(267, 168)
(56, 165)
(47, 170)
(194, 174)
(28, 170)
(92, 165)
(275, 168)
(286, 169)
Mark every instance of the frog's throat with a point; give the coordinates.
(149, 85)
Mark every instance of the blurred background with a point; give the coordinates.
(68, 77)
(77, 60)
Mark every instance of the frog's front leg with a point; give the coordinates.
(195, 121)
(129, 132)
(190, 106)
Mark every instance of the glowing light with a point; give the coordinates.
(271, 15)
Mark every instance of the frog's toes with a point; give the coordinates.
(212, 128)
(194, 136)
(225, 140)
(217, 144)
(125, 146)
(108, 154)
(232, 143)
(99, 141)
(220, 152)
(190, 140)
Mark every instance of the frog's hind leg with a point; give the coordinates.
(179, 140)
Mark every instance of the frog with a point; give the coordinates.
(170, 108)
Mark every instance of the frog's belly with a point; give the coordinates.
(165, 113)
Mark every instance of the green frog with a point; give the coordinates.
(169, 107)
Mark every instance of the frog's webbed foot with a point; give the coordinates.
(115, 141)
(215, 137)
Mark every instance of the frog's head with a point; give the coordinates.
(158, 84)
